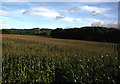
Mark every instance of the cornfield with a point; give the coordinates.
(35, 59)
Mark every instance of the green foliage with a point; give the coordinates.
(34, 31)
(100, 34)
(36, 62)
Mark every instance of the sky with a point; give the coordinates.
(26, 15)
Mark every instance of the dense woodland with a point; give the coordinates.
(100, 34)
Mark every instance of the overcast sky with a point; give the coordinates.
(26, 15)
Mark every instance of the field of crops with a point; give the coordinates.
(27, 58)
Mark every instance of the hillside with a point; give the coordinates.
(32, 59)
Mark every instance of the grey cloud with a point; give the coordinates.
(112, 25)
(60, 17)
(27, 11)
(30, 10)
(72, 10)
(100, 23)
(94, 13)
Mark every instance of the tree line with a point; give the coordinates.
(34, 31)
(100, 34)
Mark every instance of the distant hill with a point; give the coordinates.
(34, 31)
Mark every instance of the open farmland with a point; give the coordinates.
(27, 58)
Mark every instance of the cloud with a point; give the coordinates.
(3, 12)
(113, 25)
(46, 13)
(36, 8)
(72, 10)
(60, 17)
(4, 7)
(4, 25)
(100, 23)
(94, 10)
(93, 13)
(1, 17)
(71, 19)
(68, 19)
(42, 11)
(27, 11)
(91, 20)
(103, 24)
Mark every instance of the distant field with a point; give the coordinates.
(27, 58)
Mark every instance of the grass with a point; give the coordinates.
(27, 58)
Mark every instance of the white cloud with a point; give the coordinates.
(93, 9)
(92, 20)
(104, 24)
(4, 7)
(46, 14)
(4, 25)
(1, 17)
(3, 12)
(42, 11)
(71, 19)
(68, 19)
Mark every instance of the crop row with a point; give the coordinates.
(30, 61)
